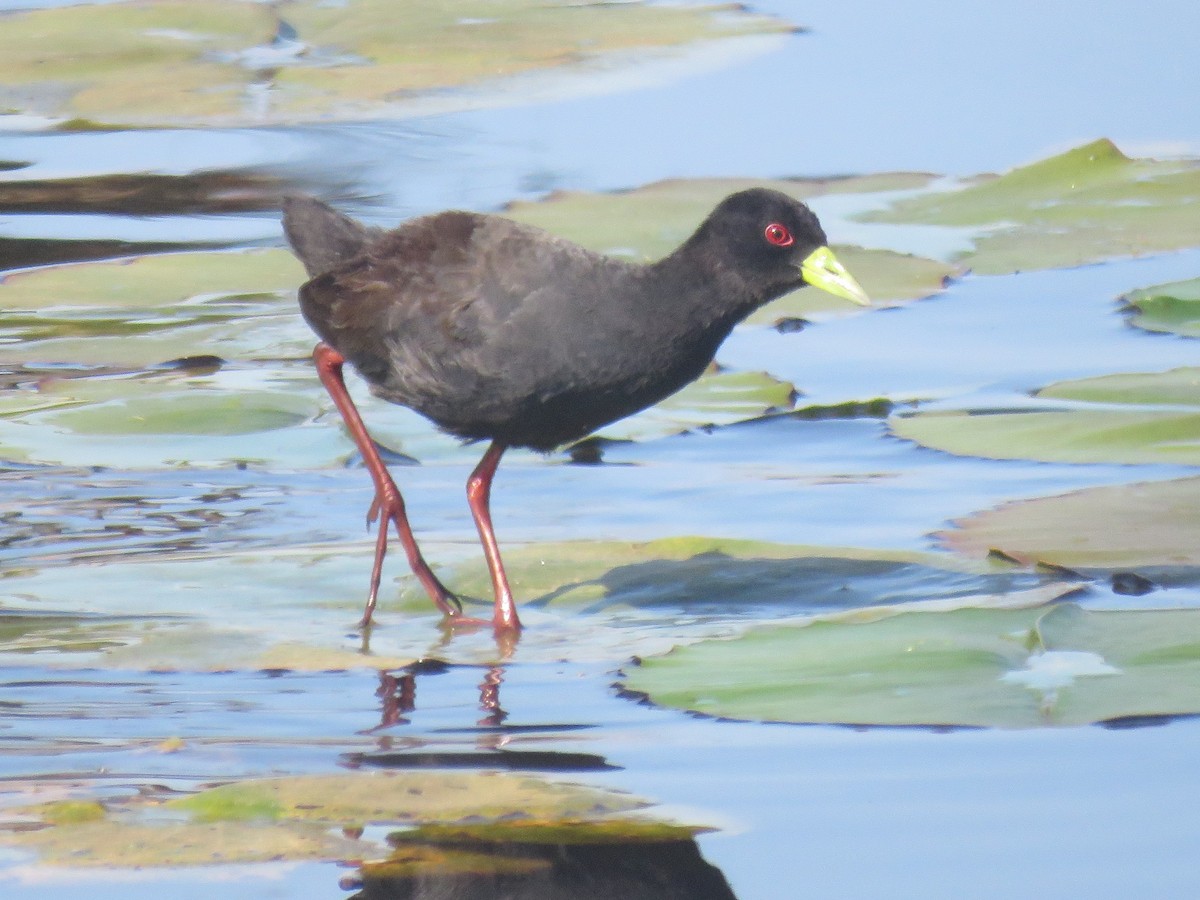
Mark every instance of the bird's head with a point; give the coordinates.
(776, 243)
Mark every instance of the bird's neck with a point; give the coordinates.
(700, 289)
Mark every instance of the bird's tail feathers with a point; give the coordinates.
(322, 237)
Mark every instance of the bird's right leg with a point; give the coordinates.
(388, 505)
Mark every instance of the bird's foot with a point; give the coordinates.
(387, 508)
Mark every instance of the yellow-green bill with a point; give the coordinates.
(822, 270)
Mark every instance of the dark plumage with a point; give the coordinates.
(498, 330)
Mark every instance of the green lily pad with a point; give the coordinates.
(163, 281)
(404, 797)
(1139, 418)
(1057, 665)
(168, 419)
(291, 818)
(1173, 308)
(1087, 204)
(1139, 526)
(1175, 387)
(150, 309)
(650, 222)
(213, 62)
(110, 844)
(1076, 437)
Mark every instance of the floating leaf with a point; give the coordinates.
(698, 574)
(404, 797)
(168, 419)
(112, 843)
(163, 281)
(1087, 204)
(1140, 418)
(291, 818)
(264, 608)
(1176, 387)
(226, 62)
(235, 305)
(1075, 437)
(1173, 307)
(720, 398)
(1057, 665)
(1144, 525)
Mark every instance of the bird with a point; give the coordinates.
(498, 331)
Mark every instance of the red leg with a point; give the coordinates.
(479, 495)
(388, 504)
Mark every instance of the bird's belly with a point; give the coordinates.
(551, 417)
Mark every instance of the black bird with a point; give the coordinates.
(499, 331)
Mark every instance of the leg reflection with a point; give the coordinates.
(489, 697)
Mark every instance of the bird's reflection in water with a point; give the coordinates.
(397, 693)
(556, 861)
(517, 856)
(489, 697)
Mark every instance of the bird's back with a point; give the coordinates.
(491, 328)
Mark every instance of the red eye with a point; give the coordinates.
(778, 235)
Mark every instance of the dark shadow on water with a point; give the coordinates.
(717, 583)
(17, 253)
(507, 760)
(564, 861)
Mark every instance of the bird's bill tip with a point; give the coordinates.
(822, 270)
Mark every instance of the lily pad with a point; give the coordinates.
(1056, 665)
(225, 62)
(709, 575)
(265, 608)
(649, 222)
(171, 419)
(1139, 526)
(1172, 308)
(1087, 204)
(404, 797)
(229, 304)
(1140, 418)
(291, 818)
(717, 398)
(110, 844)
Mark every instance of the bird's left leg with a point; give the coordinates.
(388, 504)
